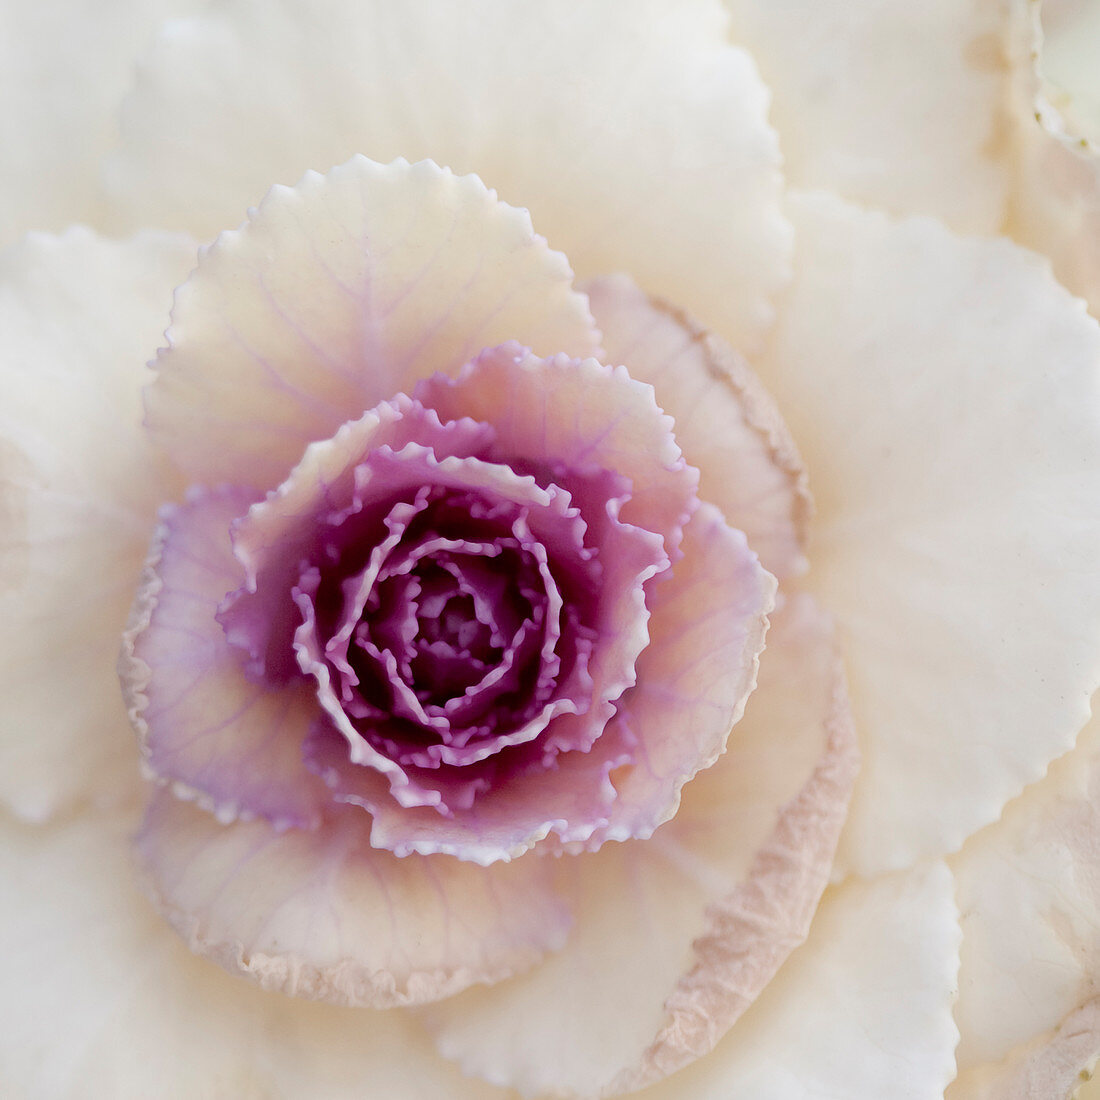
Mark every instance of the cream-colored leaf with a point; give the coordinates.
(102, 999)
(862, 1009)
(1029, 893)
(64, 67)
(631, 129)
(945, 393)
(79, 485)
(1058, 1065)
(1055, 198)
(896, 105)
(1071, 33)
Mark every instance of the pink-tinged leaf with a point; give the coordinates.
(707, 627)
(321, 914)
(111, 1003)
(217, 737)
(336, 295)
(726, 422)
(570, 416)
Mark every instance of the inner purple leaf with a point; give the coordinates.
(465, 615)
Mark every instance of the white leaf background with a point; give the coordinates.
(819, 183)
